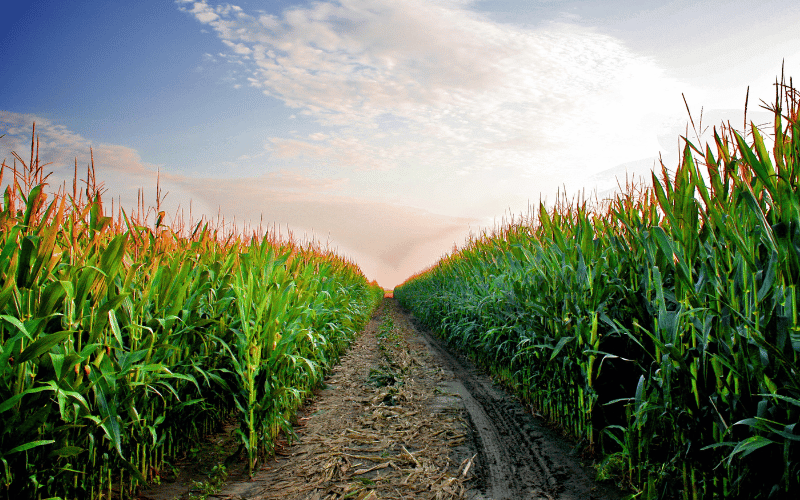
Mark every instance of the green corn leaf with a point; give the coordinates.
(7, 293)
(28, 446)
(44, 258)
(31, 205)
(166, 385)
(13, 400)
(769, 276)
(560, 345)
(108, 413)
(111, 258)
(182, 376)
(112, 320)
(127, 360)
(103, 316)
(748, 446)
(62, 395)
(663, 202)
(763, 167)
(793, 401)
(725, 444)
(43, 344)
(132, 470)
(700, 183)
(52, 295)
(57, 359)
(788, 433)
(87, 277)
(766, 228)
(27, 249)
(639, 396)
(18, 324)
(674, 256)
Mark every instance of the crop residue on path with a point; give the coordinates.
(373, 431)
(403, 417)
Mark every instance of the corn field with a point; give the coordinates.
(660, 329)
(123, 342)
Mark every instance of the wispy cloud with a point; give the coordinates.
(119, 168)
(452, 88)
(17, 128)
(60, 148)
(341, 150)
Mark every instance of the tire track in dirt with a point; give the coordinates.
(440, 431)
(518, 457)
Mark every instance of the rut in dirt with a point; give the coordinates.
(518, 457)
(403, 417)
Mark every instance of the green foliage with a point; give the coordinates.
(120, 345)
(661, 329)
(201, 490)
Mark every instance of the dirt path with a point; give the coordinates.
(377, 430)
(518, 457)
(401, 417)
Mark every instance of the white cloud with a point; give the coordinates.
(459, 113)
(238, 48)
(119, 169)
(18, 128)
(444, 81)
(339, 151)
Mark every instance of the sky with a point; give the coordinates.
(388, 130)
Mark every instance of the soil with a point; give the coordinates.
(404, 417)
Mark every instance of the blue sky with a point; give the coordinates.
(389, 128)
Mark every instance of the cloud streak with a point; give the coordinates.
(446, 85)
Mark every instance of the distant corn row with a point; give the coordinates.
(662, 331)
(123, 344)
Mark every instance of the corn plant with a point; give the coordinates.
(660, 327)
(123, 341)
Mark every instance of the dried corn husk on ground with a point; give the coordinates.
(379, 429)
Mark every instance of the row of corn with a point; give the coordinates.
(660, 329)
(122, 344)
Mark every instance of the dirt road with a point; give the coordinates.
(518, 457)
(402, 417)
